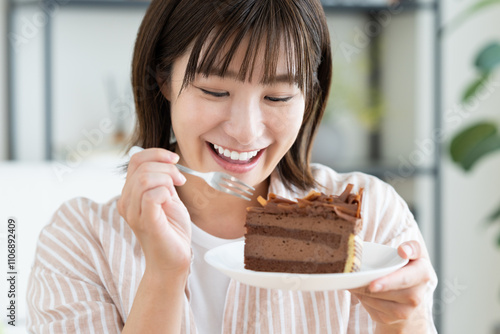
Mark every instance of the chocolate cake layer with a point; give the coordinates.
(315, 234)
(288, 249)
(295, 266)
(333, 224)
(298, 234)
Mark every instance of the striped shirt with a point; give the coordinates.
(89, 264)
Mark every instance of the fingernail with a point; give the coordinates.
(182, 178)
(175, 158)
(377, 287)
(408, 250)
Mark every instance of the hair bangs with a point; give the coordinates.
(270, 30)
(279, 40)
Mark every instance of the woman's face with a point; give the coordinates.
(240, 127)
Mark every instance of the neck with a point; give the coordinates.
(215, 212)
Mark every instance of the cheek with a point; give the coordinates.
(190, 117)
(287, 125)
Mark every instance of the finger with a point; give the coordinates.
(150, 173)
(135, 188)
(161, 167)
(151, 208)
(416, 272)
(412, 296)
(147, 176)
(159, 207)
(151, 155)
(410, 250)
(142, 184)
(387, 311)
(178, 216)
(375, 314)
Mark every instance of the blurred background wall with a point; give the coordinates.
(3, 81)
(471, 253)
(73, 59)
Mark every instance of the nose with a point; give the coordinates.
(246, 121)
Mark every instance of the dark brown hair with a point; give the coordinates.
(172, 27)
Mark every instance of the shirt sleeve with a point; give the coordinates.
(59, 303)
(67, 290)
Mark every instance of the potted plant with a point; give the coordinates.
(481, 139)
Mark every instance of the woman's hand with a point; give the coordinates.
(151, 206)
(397, 302)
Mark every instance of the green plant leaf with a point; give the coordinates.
(484, 148)
(488, 58)
(495, 215)
(467, 139)
(474, 87)
(459, 19)
(471, 144)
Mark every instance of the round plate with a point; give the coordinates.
(378, 260)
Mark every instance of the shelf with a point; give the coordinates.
(384, 170)
(406, 5)
(82, 3)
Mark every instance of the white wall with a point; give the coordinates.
(3, 80)
(92, 71)
(471, 280)
(28, 83)
(32, 203)
(91, 65)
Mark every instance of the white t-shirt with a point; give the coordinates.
(207, 286)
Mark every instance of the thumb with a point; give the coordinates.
(410, 250)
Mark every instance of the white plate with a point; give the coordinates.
(378, 260)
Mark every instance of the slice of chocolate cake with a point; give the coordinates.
(315, 234)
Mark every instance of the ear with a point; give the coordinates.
(164, 86)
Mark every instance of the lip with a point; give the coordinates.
(235, 167)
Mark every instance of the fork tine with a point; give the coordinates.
(231, 192)
(238, 181)
(233, 186)
(221, 181)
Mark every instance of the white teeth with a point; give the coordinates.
(233, 155)
(243, 156)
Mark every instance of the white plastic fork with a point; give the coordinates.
(218, 180)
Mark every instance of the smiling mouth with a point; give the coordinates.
(234, 156)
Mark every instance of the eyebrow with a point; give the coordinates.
(281, 78)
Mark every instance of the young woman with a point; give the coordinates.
(237, 86)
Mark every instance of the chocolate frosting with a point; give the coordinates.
(347, 205)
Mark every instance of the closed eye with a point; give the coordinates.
(278, 99)
(215, 94)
